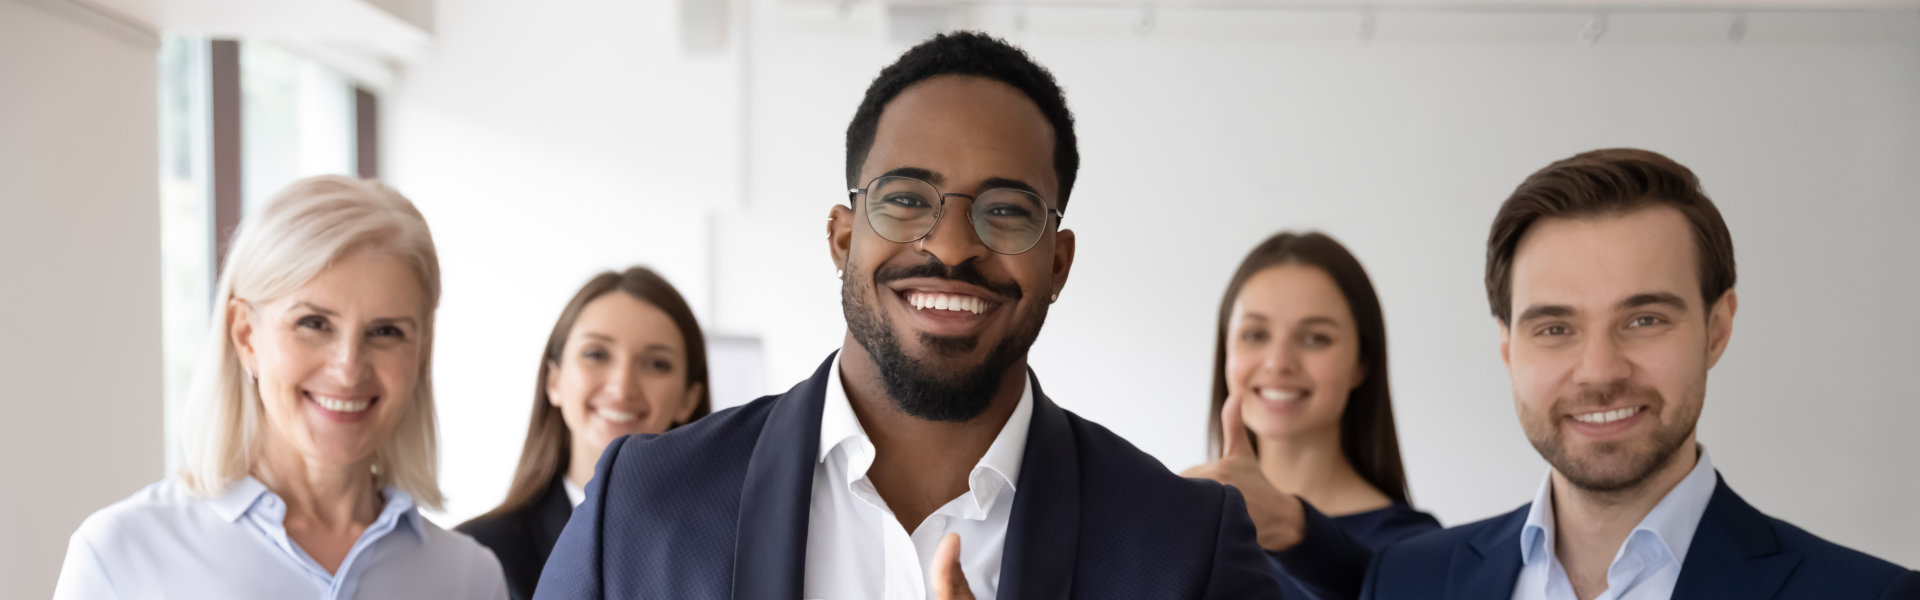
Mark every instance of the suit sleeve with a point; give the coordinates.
(1240, 569)
(1327, 561)
(573, 570)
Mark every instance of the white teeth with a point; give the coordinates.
(616, 415)
(953, 302)
(342, 406)
(1609, 416)
(1274, 395)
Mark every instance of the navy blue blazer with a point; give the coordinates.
(719, 508)
(1737, 552)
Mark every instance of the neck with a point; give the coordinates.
(580, 464)
(920, 465)
(329, 496)
(1312, 466)
(1590, 526)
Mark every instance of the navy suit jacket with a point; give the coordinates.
(1737, 553)
(719, 509)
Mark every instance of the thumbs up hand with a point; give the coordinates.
(949, 582)
(1277, 516)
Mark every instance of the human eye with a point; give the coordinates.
(388, 331)
(905, 200)
(311, 322)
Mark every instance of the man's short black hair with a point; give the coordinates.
(975, 54)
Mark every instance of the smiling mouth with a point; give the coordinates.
(947, 302)
(1282, 394)
(615, 416)
(342, 405)
(1608, 416)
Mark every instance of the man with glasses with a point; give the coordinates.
(922, 460)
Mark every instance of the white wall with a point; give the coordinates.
(79, 282)
(543, 153)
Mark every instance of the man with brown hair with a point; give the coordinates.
(1611, 276)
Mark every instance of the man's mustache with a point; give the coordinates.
(966, 272)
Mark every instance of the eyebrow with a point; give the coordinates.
(609, 339)
(1540, 311)
(1002, 182)
(326, 312)
(1655, 298)
(1320, 320)
(316, 308)
(916, 173)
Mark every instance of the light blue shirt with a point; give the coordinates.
(166, 543)
(1646, 566)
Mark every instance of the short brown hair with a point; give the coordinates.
(1602, 183)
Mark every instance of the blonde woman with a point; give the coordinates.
(309, 438)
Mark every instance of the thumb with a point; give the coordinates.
(949, 582)
(1234, 440)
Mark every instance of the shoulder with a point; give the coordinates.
(1826, 564)
(646, 483)
(161, 507)
(721, 443)
(497, 531)
(1129, 499)
(1433, 550)
(1114, 468)
(1397, 522)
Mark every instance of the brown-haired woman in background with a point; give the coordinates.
(1300, 381)
(632, 362)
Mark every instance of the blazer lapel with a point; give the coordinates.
(1489, 564)
(770, 542)
(549, 517)
(1734, 552)
(1043, 531)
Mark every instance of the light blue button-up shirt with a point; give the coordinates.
(166, 543)
(1645, 568)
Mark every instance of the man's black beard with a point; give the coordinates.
(929, 389)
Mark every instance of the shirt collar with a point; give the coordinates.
(998, 470)
(1672, 522)
(248, 495)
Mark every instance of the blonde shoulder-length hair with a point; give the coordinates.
(308, 226)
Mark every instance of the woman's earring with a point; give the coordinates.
(251, 378)
(1056, 297)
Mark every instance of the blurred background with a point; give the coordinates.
(546, 141)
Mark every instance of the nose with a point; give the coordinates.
(1601, 363)
(348, 362)
(624, 384)
(1282, 358)
(953, 240)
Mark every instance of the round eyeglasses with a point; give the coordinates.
(904, 210)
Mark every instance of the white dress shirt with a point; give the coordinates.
(166, 543)
(1646, 566)
(575, 494)
(856, 549)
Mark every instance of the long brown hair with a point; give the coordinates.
(1367, 436)
(547, 450)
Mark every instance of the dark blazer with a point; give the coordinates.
(522, 539)
(719, 508)
(1737, 552)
